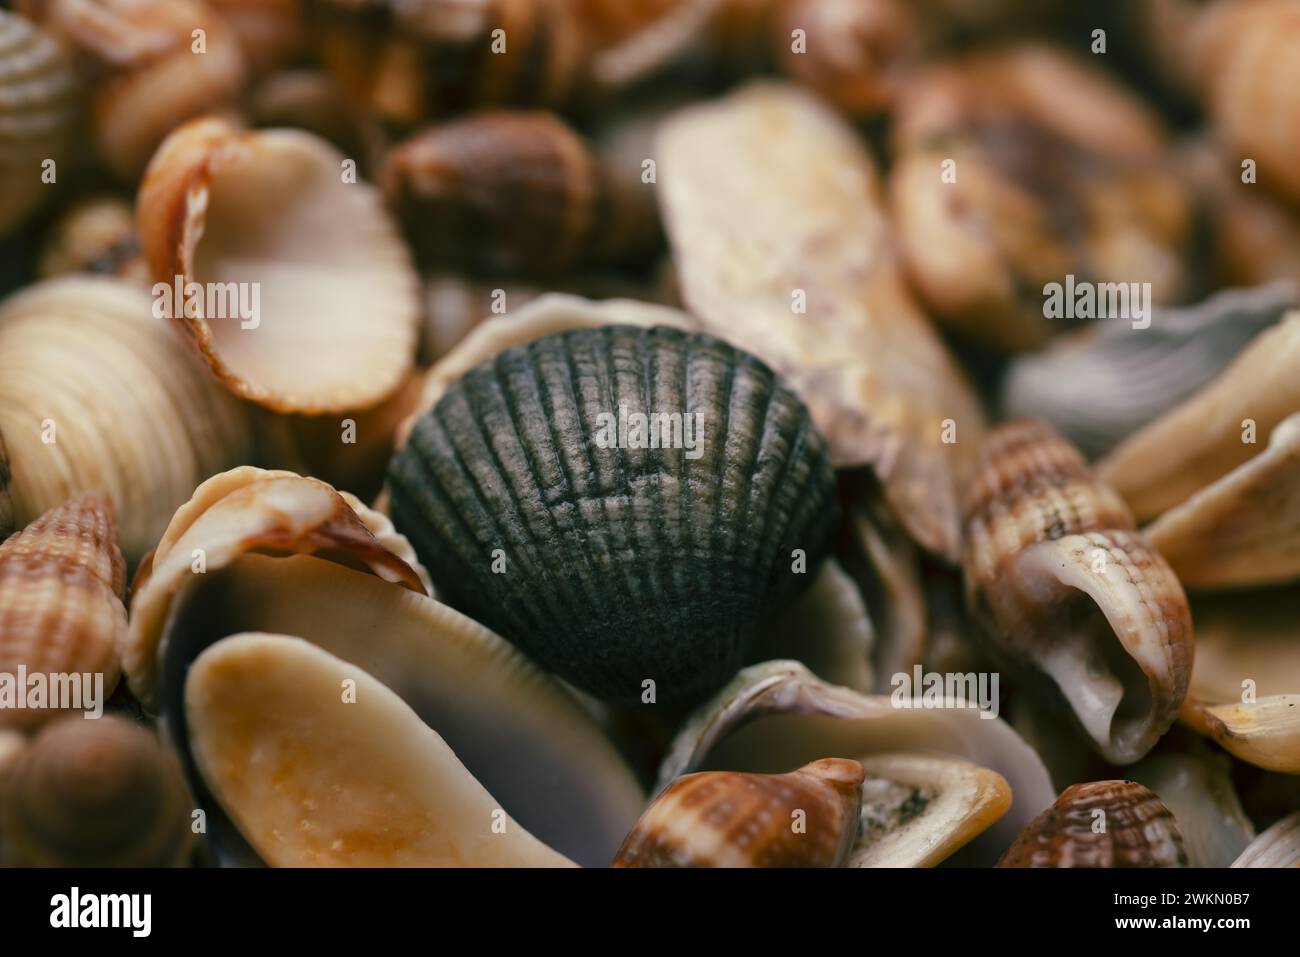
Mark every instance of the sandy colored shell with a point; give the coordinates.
(144, 73)
(1070, 596)
(1279, 846)
(99, 394)
(102, 793)
(96, 235)
(39, 105)
(807, 818)
(274, 212)
(271, 33)
(700, 537)
(783, 247)
(1101, 824)
(1209, 434)
(62, 580)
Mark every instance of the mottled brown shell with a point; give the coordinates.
(807, 818)
(1101, 824)
(61, 585)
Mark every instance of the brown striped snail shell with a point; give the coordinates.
(510, 192)
(807, 818)
(1101, 824)
(1068, 593)
(39, 105)
(618, 565)
(102, 793)
(62, 580)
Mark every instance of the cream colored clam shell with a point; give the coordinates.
(783, 248)
(1279, 846)
(276, 212)
(99, 394)
(312, 779)
(777, 716)
(1201, 440)
(1243, 529)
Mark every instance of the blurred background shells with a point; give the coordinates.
(94, 235)
(566, 508)
(99, 394)
(39, 113)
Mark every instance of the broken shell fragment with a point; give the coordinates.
(1101, 385)
(1101, 824)
(617, 557)
(776, 716)
(783, 247)
(1069, 595)
(314, 779)
(1279, 846)
(287, 249)
(62, 579)
(104, 793)
(806, 818)
(98, 394)
(39, 104)
(1214, 431)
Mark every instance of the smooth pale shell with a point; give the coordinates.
(313, 780)
(275, 208)
(769, 199)
(1197, 788)
(1279, 846)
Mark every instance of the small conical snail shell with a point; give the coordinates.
(62, 580)
(511, 192)
(274, 214)
(145, 71)
(1070, 595)
(612, 563)
(783, 247)
(38, 113)
(97, 235)
(96, 793)
(1101, 824)
(99, 394)
(1214, 431)
(807, 818)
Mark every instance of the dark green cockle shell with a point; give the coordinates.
(608, 562)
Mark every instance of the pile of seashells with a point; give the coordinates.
(655, 433)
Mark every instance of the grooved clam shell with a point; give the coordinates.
(614, 564)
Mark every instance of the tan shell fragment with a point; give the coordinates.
(1243, 529)
(1101, 824)
(103, 793)
(1204, 438)
(1069, 594)
(1264, 732)
(274, 214)
(1279, 846)
(783, 247)
(807, 818)
(61, 584)
(312, 780)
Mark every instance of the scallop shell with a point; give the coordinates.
(1070, 596)
(103, 793)
(62, 580)
(1205, 437)
(1103, 384)
(1279, 846)
(273, 210)
(776, 716)
(621, 564)
(807, 818)
(98, 394)
(268, 539)
(766, 197)
(1058, 171)
(1101, 824)
(39, 102)
(1243, 529)
(1197, 788)
(511, 192)
(142, 69)
(96, 235)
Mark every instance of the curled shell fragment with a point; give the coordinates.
(1101, 824)
(1070, 596)
(806, 818)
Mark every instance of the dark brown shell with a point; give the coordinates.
(1134, 829)
(618, 565)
